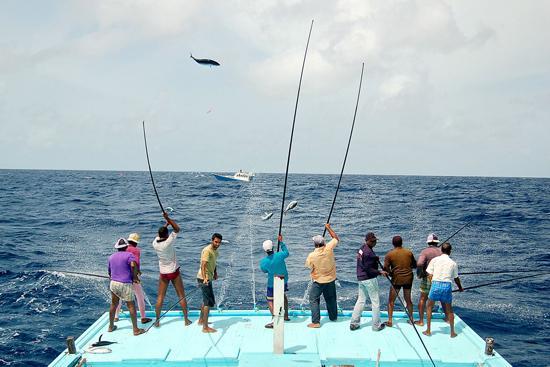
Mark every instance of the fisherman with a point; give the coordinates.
(442, 270)
(169, 268)
(367, 273)
(133, 240)
(123, 271)
(323, 275)
(274, 265)
(424, 259)
(399, 262)
(208, 273)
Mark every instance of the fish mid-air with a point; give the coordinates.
(205, 61)
(290, 206)
(267, 215)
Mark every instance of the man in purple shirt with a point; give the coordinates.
(123, 271)
(424, 259)
(367, 273)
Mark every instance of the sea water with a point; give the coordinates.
(69, 220)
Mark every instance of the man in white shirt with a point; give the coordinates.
(442, 270)
(169, 268)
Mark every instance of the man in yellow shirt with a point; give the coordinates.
(207, 273)
(323, 275)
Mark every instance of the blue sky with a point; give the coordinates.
(450, 88)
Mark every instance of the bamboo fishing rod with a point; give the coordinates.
(347, 149)
(80, 273)
(409, 315)
(151, 172)
(454, 234)
(501, 281)
(500, 272)
(291, 137)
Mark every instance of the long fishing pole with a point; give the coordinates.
(170, 309)
(409, 315)
(291, 137)
(347, 149)
(454, 234)
(86, 274)
(151, 172)
(500, 272)
(502, 281)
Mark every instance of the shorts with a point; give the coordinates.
(124, 291)
(404, 286)
(171, 276)
(269, 292)
(207, 293)
(425, 285)
(441, 291)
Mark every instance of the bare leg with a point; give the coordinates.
(118, 308)
(450, 314)
(421, 304)
(112, 310)
(286, 309)
(132, 309)
(429, 307)
(205, 327)
(408, 304)
(391, 304)
(180, 290)
(163, 285)
(270, 305)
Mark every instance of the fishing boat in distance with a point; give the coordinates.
(238, 176)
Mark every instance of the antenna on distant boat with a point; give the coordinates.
(347, 149)
(149, 165)
(291, 136)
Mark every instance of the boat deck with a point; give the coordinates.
(242, 340)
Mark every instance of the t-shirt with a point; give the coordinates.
(135, 251)
(322, 263)
(166, 254)
(424, 259)
(274, 264)
(210, 255)
(399, 262)
(443, 269)
(367, 263)
(120, 269)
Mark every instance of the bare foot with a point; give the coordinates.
(145, 320)
(427, 333)
(446, 320)
(287, 318)
(139, 332)
(409, 322)
(389, 323)
(314, 325)
(112, 328)
(419, 323)
(208, 329)
(188, 322)
(453, 335)
(157, 323)
(116, 319)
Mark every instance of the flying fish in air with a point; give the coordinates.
(267, 215)
(290, 206)
(205, 61)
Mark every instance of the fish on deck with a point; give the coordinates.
(208, 62)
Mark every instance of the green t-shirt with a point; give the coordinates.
(210, 255)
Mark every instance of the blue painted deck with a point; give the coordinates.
(242, 341)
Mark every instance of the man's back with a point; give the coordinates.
(400, 262)
(322, 263)
(119, 266)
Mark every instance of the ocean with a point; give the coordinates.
(55, 221)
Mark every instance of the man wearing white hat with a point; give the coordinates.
(133, 241)
(123, 272)
(323, 275)
(424, 259)
(274, 265)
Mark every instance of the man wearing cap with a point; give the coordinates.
(274, 265)
(367, 273)
(169, 268)
(442, 270)
(424, 259)
(323, 275)
(208, 272)
(123, 272)
(399, 262)
(133, 240)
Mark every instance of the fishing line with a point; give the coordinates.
(292, 136)
(501, 281)
(409, 315)
(171, 307)
(347, 149)
(454, 234)
(149, 165)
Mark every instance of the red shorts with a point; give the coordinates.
(171, 276)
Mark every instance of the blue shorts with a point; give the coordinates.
(269, 293)
(441, 291)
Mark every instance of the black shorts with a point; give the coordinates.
(404, 286)
(207, 293)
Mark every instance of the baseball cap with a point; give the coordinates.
(318, 240)
(370, 236)
(267, 245)
(432, 238)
